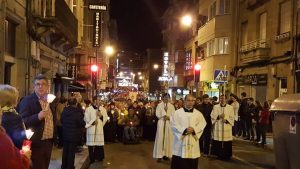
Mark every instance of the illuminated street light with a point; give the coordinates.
(155, 66)
(197, 67)
(94, 68)
(186, 20)
(109, 50)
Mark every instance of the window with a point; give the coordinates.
(285, 17)
(244, 33)
(222, 45)
(218, 46)
(10, 37)
(7, 73)
(263, 26)
(212, 10)
(224, 7)
(211, 47)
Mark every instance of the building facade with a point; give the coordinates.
(265, 66)
(213, 47)
(14, 45)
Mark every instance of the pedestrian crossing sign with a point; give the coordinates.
(221, 76)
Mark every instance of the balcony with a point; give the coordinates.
(253, 4)
(55, 21)
(256, 51)
(219, 26)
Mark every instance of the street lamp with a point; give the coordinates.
(109, 50)
(186, 20)
(155, 66)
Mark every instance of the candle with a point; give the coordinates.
(50, 99)
(29, 134)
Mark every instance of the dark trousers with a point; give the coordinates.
(250, 129)
(96, 153)
(236, 128)
(205, 140)
(60, 136)
(68, 156)
(184, 163)
(261, 132)
(120, 131)
(243, 129)
(41, 154)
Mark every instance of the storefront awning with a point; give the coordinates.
(76, 87)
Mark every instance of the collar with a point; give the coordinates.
(223, 105)
(188, 110)
(7, 109)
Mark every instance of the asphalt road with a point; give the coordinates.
(245, 156)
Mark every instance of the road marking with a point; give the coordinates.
(246, 162)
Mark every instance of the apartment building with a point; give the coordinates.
(265, 68)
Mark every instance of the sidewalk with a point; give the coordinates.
(269, 140)
(81, 159)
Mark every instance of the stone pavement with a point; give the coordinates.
(246, 155)
(81, 159)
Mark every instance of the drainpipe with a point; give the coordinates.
(237, 33)
(27, 76)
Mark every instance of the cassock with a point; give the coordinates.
(94, 133)
(186, 151)
(164, 137)
(222, 131)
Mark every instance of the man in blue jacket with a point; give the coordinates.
(72, 123)
(41, 119)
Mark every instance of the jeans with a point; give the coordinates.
(130, 132)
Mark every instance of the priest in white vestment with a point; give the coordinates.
(187, 125)
(164, 137)
(222, 118)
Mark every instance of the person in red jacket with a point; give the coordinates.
(10, 156)
(263, 123)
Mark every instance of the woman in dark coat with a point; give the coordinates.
(72, 122)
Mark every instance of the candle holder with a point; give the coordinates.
(27, 143)
(50, 99)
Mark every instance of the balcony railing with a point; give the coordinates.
(261, 43)
(256, 51)
(56, 15)
(253, 4)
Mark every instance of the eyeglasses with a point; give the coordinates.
(40, 84)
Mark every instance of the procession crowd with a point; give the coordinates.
(182, 130)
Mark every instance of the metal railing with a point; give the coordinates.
(260, 43)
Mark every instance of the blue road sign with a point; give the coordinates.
(221, 76)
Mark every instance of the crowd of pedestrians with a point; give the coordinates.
(73, 123)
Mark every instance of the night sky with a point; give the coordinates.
(138, 23)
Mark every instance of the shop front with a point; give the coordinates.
(255, 85)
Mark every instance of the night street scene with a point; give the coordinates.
(149, 84)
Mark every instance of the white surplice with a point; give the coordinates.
(163, 133)
(187, 146)
(222, 131)
(94, 133)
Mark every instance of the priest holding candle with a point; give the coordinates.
(38, 115)
(187, 125)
